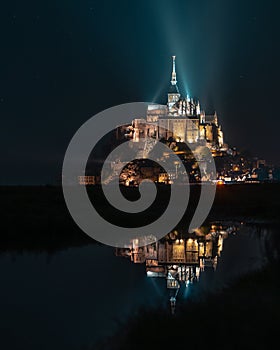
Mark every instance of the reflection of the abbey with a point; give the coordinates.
(179, 257)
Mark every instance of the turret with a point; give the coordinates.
(198, 108)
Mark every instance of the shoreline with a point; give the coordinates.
(36, 218)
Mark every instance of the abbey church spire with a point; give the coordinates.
(173, 92)
(173, 76)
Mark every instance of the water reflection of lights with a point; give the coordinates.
(180, 258)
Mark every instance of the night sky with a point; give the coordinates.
(64, 60)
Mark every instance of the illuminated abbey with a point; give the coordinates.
(181, 118)
(178, 123)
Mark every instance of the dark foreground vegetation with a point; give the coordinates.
(36, 218)
(245, 315)
(242, 316)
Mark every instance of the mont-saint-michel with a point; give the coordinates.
(181, 122)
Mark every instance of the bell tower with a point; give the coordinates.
(173, 92)
(173, 76)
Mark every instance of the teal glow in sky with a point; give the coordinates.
(64, 61)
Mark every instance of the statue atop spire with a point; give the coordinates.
(173, 76)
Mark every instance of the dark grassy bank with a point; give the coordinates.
(259, 202)
(243, 316)
(36, 218)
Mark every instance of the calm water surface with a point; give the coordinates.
(74, 297)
